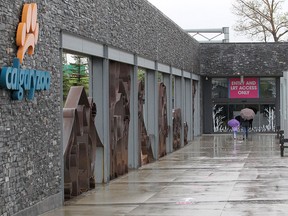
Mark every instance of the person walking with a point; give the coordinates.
(235, 130)
(247, 114)
(234, 124)
(245, 126)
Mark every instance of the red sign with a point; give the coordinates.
(248, 88)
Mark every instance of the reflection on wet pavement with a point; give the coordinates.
(213, 175)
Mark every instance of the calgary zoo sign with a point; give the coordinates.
(19, 80)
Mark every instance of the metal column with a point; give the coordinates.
(179, 95)
(133, 145)
(151, 111)
(101, 95)
(188, 108)
(183, 108)
(167, 79)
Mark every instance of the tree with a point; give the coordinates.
(75, 74)
(263, 19)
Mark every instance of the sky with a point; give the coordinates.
(202, 14)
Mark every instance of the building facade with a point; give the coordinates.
(240, 75)
(131, 34)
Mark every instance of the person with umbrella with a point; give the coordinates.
(246, 114)
(251, 120)
(245, 126)
(234, 124)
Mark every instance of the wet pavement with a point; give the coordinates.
(211, 176)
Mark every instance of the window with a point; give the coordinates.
(219, 88)
(75, 72)
(267, 87)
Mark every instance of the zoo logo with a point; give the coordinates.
(27, 31)
(25, 81)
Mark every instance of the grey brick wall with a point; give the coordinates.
(30, 131)
(133, 25)
(30, 167)
(249, 59)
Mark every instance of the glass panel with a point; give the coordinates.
(219, 88)
(267, 118)
(264, 120)
(234, 110)
(220, 114)
(267, 88)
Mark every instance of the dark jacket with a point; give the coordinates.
(245, 123)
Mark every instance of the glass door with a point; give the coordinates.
(264, 120)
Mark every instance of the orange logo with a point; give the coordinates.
(27, 31)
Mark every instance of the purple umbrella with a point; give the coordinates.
(233, 123)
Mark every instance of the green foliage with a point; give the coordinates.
(141, 74)
(75, 74)
(73, 81)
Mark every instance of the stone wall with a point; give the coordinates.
(30, 153)
(249, 59)
(30, 131)
(132, 25)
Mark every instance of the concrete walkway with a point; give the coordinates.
(211, 176)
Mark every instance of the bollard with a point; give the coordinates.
(277, 131)
(281, 134)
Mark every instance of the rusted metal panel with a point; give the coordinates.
(119, 114)
(145, 150)
(80, 139)
(185, 133)
(177, 123)
(177, 128)
(162, 119)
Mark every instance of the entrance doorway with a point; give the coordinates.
(264, 120)
(230, 95)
